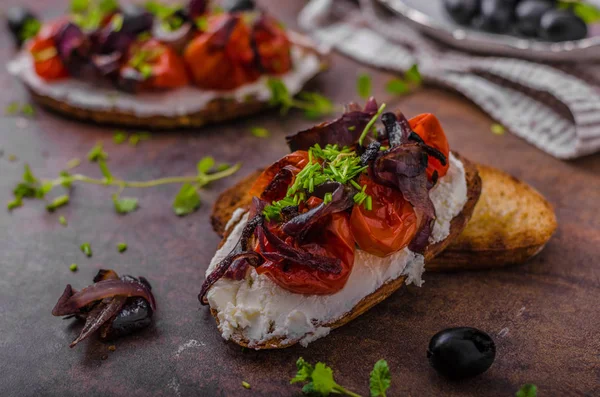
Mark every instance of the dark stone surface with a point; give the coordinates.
(544, 316)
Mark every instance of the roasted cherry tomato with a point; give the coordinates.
(158, 64)
(334, 240)
(388, 226)
(222, 57)
(428, 127)
(42, 48)
(273, 46)
(297, 160)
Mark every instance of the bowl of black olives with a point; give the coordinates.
(544, 30)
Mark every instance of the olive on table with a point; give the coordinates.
(462, 11)
(461, 352)
(562, 25)
(529, 14)
(496, 15)
(19, 19)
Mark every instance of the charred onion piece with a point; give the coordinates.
(109, 299)
(240, 251)
(370, 153)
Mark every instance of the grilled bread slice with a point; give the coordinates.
(512, 222)
(238, 196)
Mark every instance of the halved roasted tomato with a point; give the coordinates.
(388, 226)
(273, 46)
(42, 48)
(428, 127)
(296, 160)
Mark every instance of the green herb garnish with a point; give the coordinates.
(122, 247)
(370, 124)
(58, 202)
(245, 385)
(125, 205)
(30, 28)
(97, 153)
(62, 220)
(260, 132)
(397, 87)
(319, 380)
(12, 108)
(380, 379)
(498, 129)
(73, 267)
(584, 10)
(86, 248)
(73, 163)
(89, 14)
(363, 85)
(527, 390)
(187, 200)
(314, 105)
(119, 137)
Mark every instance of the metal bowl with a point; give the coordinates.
(430, 17)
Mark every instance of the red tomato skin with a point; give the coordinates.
(428, 127)
(334, 240)
(274, 47)
(297, 159)
(53, 68)
(389, 226)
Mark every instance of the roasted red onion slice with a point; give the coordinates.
(127, 299)
(344, 131)
(74, 49)
(177, 39)
(196, 8)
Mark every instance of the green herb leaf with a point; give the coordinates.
(79, 6)
(280, 96)
(125, 205)
(363, 85)
(73, 163)
(260, 132)
(73, 267)
(498, 129)
(322, 379)
(187, 200)
(86, 248)
(397, 87)
(246, 385)
(223, 167)
(134, 139)
(58, 202)
(304, 373)
(27, 110)
(119, 137)
(66, 179)
(380, 379)
(15, 203)
(413, 75)
(28, 175)
(97, 153)
(205, 165)
(527, 390)
(122, 247)
(62, 220)
(12, 108)
(105, 171)
(30, 28)
(315, 105)
(202, 23)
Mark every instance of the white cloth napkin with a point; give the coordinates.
(554, 107)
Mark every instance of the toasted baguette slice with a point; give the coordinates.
(104, 107)
(512, 222)
(238, 197)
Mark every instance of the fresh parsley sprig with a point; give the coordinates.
(319, 380)
(313, 104)
(186, 201)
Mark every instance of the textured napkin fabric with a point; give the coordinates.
(554, 107)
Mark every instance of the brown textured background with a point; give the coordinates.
(544, 315)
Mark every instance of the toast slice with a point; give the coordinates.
(512, 222)
(103, 106)
(238, 196)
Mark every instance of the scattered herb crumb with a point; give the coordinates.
(12, 157)
(112, 348)
(313, 104)
(73, 267)
(134, 139)
(363, 85)
(498, 129)
(119, 137)
(86, 248)
(397, 86)
(15, 203)
(404, 85)
(15, 107)
(62, 220)
(122, 247)
(246, 385)
(27, 110)
(223, 167)
(12, 108)
(260, 132)
(58, 202)
(97, 153)
(413, 75)
(125, 205)
(527, 390)
(73, 163)
(187, 200)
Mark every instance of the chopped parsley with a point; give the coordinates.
(97, 153)
(527, 390)
(498, 129)
(73, 267)
(403, 85)
(246, 385)
(125, 205)
(58, 202)
(121, 247)
(318, 380)
(86, 248)
(260, 132)
(89, 14)
(14, 108)
(73, 163)
(119, 137)
(363, 85)
(330, 163)
(397, 87)
(166, 13)
(30, 28)
(62, 220)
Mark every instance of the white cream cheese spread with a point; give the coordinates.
(262, 310)
(178, 102)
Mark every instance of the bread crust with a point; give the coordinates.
(238, 196)
(217, 110)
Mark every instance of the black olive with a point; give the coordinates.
(529, 14)
(496, 15)
(462, 11)
(562, 25)
(136, 314)
(136, 19)
(17, 18)
(461, 352)
(239, 5)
